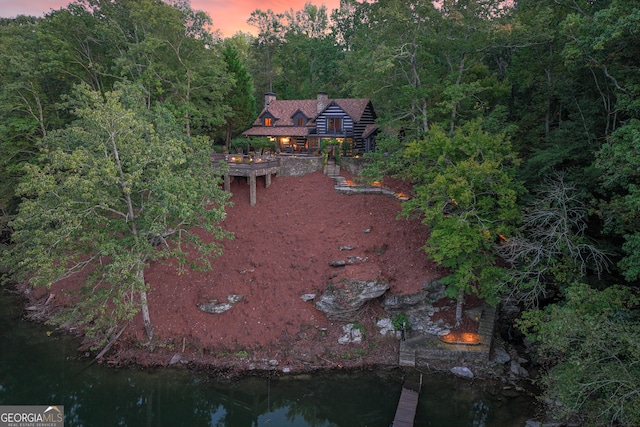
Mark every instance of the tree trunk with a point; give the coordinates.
(134, 231)
(459, 305)
(145, 307)
(227, 137)
(454, 110)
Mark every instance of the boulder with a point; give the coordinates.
(434, 289)
(403, 303)
(343, 300)
(308, 297)
(462, 371)
(517, 369)
(234, 299)
(500, 355)
(351, 334)
(214, 307)
(386, 326)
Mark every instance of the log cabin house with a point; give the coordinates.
(300, 126)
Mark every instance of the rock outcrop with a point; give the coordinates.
(344, 299)
(215, 307)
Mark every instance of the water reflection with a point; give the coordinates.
(38, 366)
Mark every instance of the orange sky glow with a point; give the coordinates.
(229, 16)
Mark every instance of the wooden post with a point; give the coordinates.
(227, 183)
(252, 188)
(267, 180)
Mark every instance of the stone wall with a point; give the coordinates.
(353, 165)
(299, 166)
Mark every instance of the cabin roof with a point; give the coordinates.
(283, 111)
(354, 107)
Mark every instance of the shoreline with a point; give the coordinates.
(228, 363)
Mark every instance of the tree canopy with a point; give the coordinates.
(117, 189)
(516, 123)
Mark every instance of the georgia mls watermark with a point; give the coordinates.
(31, 416)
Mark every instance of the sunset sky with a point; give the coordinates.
(228, 15)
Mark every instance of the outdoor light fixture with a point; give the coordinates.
(466, 338)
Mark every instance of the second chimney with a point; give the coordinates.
(269, 97)
(323, 100)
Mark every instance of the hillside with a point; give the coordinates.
(283, 248)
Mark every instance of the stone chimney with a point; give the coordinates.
(323, 101)
(269, 97)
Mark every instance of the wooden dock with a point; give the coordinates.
(407, 405)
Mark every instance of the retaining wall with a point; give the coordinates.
(299, 166)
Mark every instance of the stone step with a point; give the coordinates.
(407, 356)
(332, 170)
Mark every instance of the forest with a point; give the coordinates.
(517, 124)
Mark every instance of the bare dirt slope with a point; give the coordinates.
(283, 248)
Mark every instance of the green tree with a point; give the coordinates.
(24, 107)
(308, 57)
(178, 60)
(265, 47)
(242, 103)
(115, 191)
(466, 193)
(590, 346)
(396, 43)
(620, 163)
(295, 54)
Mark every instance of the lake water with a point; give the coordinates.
(39, 366)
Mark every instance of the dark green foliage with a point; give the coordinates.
(461, 91)
(242, 103)
(620, 161)
(590, 345)
(401, 322)
(118, 189)
(466, 193)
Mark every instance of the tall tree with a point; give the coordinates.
(270, 36)
(590, 349)
(564, 104)
(396, 44)
(240, 99)
(466, 194)
(24, 106)
(115, 191)
(309, 56)
(620, 163)
(178, 60)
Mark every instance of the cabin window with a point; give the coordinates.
(300, 121)
(334, 124)
(268, 121)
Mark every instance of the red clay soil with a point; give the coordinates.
(283, 248)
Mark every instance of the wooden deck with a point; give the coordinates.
(250, 168)
(407, 405)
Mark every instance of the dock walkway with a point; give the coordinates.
(407, 405)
